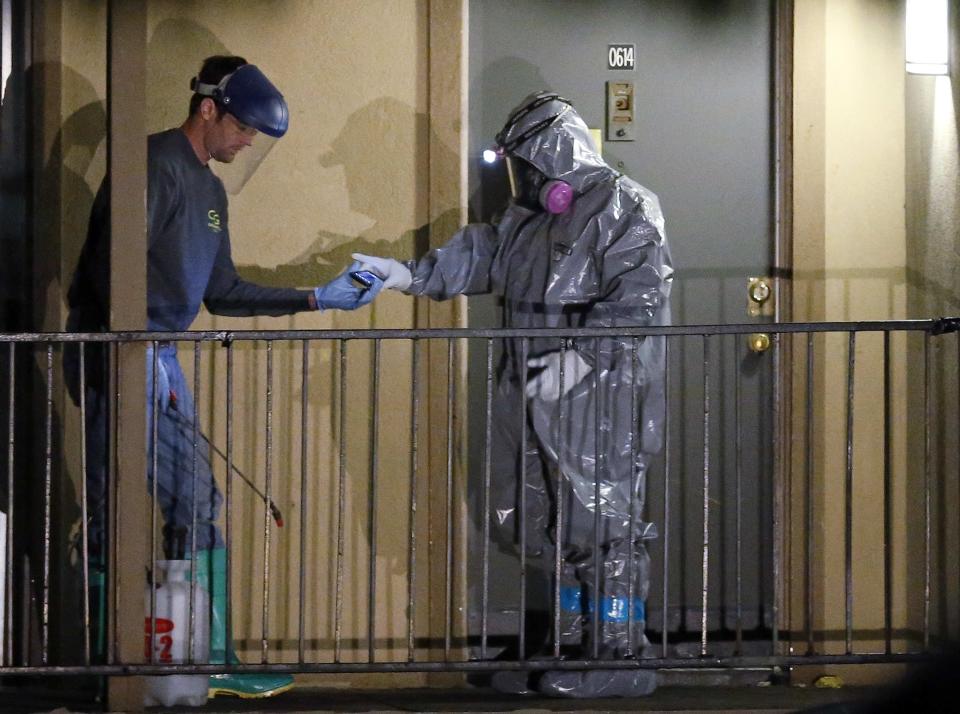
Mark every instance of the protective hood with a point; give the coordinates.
(545, 130)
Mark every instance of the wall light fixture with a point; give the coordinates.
(926, 41)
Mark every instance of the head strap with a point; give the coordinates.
(215, 91)
(512, 120)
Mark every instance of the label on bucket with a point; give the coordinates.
(164, 642)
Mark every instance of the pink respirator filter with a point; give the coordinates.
(556, 196)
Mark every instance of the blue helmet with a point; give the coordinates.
(251, 98)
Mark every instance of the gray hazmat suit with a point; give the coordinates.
(603, 262)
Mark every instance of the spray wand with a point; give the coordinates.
(274, 511)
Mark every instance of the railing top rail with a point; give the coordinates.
(935, 326)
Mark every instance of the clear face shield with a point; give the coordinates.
(495, 156)
(253, 115)
(242, 157)
(529, 187)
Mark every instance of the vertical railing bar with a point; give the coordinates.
(414, 466)
(341, 508)
(738, 438)
(522, 605)
(808, 497)
(706, 495)
(666, 499)
(558, 545)
(927, 477)
(154, 500)
(84, 510)
(113, 643)
(634, 492)
(47, 505)
(228, 529)
(776, 550)
(485, 511)
(191, 634)
(304, 413)
(11, 453)
(372, 504)
(887, 497)
(848, 496)
(598, 610)
(448, 562)
(264, 623)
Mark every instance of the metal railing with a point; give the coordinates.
(422, 390)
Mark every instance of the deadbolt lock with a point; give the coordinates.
(760, 301)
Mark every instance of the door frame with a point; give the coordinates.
(782, 270)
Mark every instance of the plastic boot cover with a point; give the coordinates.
(516, 681)
(618, 636)
(211, 573)
(598, 683)
(571, 615)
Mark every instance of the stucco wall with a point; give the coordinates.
(870, 141)
(933, 268)
(362, 168)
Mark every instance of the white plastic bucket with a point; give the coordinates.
(169, 633)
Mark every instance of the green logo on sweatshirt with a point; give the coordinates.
(213, 221)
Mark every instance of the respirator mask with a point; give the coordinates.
(531, 189)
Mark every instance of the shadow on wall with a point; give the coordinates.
(497, 90)
(374, 149)
(378, 157)
(954, 79)
(175, 51)
(79, 142)
(42, 240)
(71, 175)
(66, 183)
(954, 60)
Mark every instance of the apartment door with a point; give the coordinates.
(704, 142)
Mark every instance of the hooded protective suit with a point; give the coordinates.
(603, 262)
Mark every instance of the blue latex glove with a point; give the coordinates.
(342, 293)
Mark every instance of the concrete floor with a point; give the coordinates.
(479, 699)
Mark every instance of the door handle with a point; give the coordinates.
(759, 342)
(759, 304)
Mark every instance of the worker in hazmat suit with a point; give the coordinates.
(579, 245)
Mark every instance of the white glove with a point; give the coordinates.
(546, 384)
(395, 274)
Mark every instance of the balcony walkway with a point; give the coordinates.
(667, 699)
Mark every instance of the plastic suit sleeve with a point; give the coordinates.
(459, 267)
(634, 286)
(546, 384)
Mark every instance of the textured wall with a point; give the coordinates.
(933, 267)
(875, 186)
(362, 168)
(350, 175)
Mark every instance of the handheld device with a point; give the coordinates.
(365, 278)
